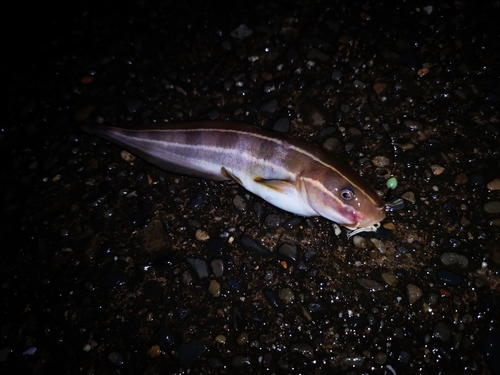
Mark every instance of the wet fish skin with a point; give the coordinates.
(290, 173)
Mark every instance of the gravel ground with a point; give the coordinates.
(111, 266)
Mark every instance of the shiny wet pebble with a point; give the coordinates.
(200, 266)
(214, 288)
(288, 251)
(414, 293)
(494, 184)
(492, 207)
(250, 244)
(217, 266)
(450, 278)
(451, 258)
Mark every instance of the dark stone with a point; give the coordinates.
(190, 352)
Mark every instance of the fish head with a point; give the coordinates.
(343, 197)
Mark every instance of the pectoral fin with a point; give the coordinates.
(229, 175)
(280, 186)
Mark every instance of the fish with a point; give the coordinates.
(290, 173)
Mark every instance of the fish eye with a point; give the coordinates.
(347, 193)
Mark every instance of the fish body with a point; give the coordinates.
(289, 173)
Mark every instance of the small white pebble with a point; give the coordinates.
(127, 156)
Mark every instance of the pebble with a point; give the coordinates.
(220, 339)
(333, 145)
(196, 203)
(241, 32)
(190, 352)
(127, 156)
(414, 293)
(378, 244)
(288, 251)
(202, 235)
(409, 196)
(242, 338)
(292, 222)
(381, 161)
(233, 284)
(450, 278)
(379, 87)
(240, 203)
(115, 358)
(442, 331)
(390, 279)
(359, 242)
(492, 207)
(286, 295)
(213, 114)
(214, 288)
(494, 184)
(200, 266)
(306, 313)
(187, 278)
(380, 358)
(461, 178)
(451, 258)
(282, 125)
(4, 353)
(402, 249)
(273, 299)
(249, 244)
(371, 285)
(154, 351)
(437, 169)
(272, 221)
(405, 146)
(217, 266)
(317, 55)
(269, 106)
